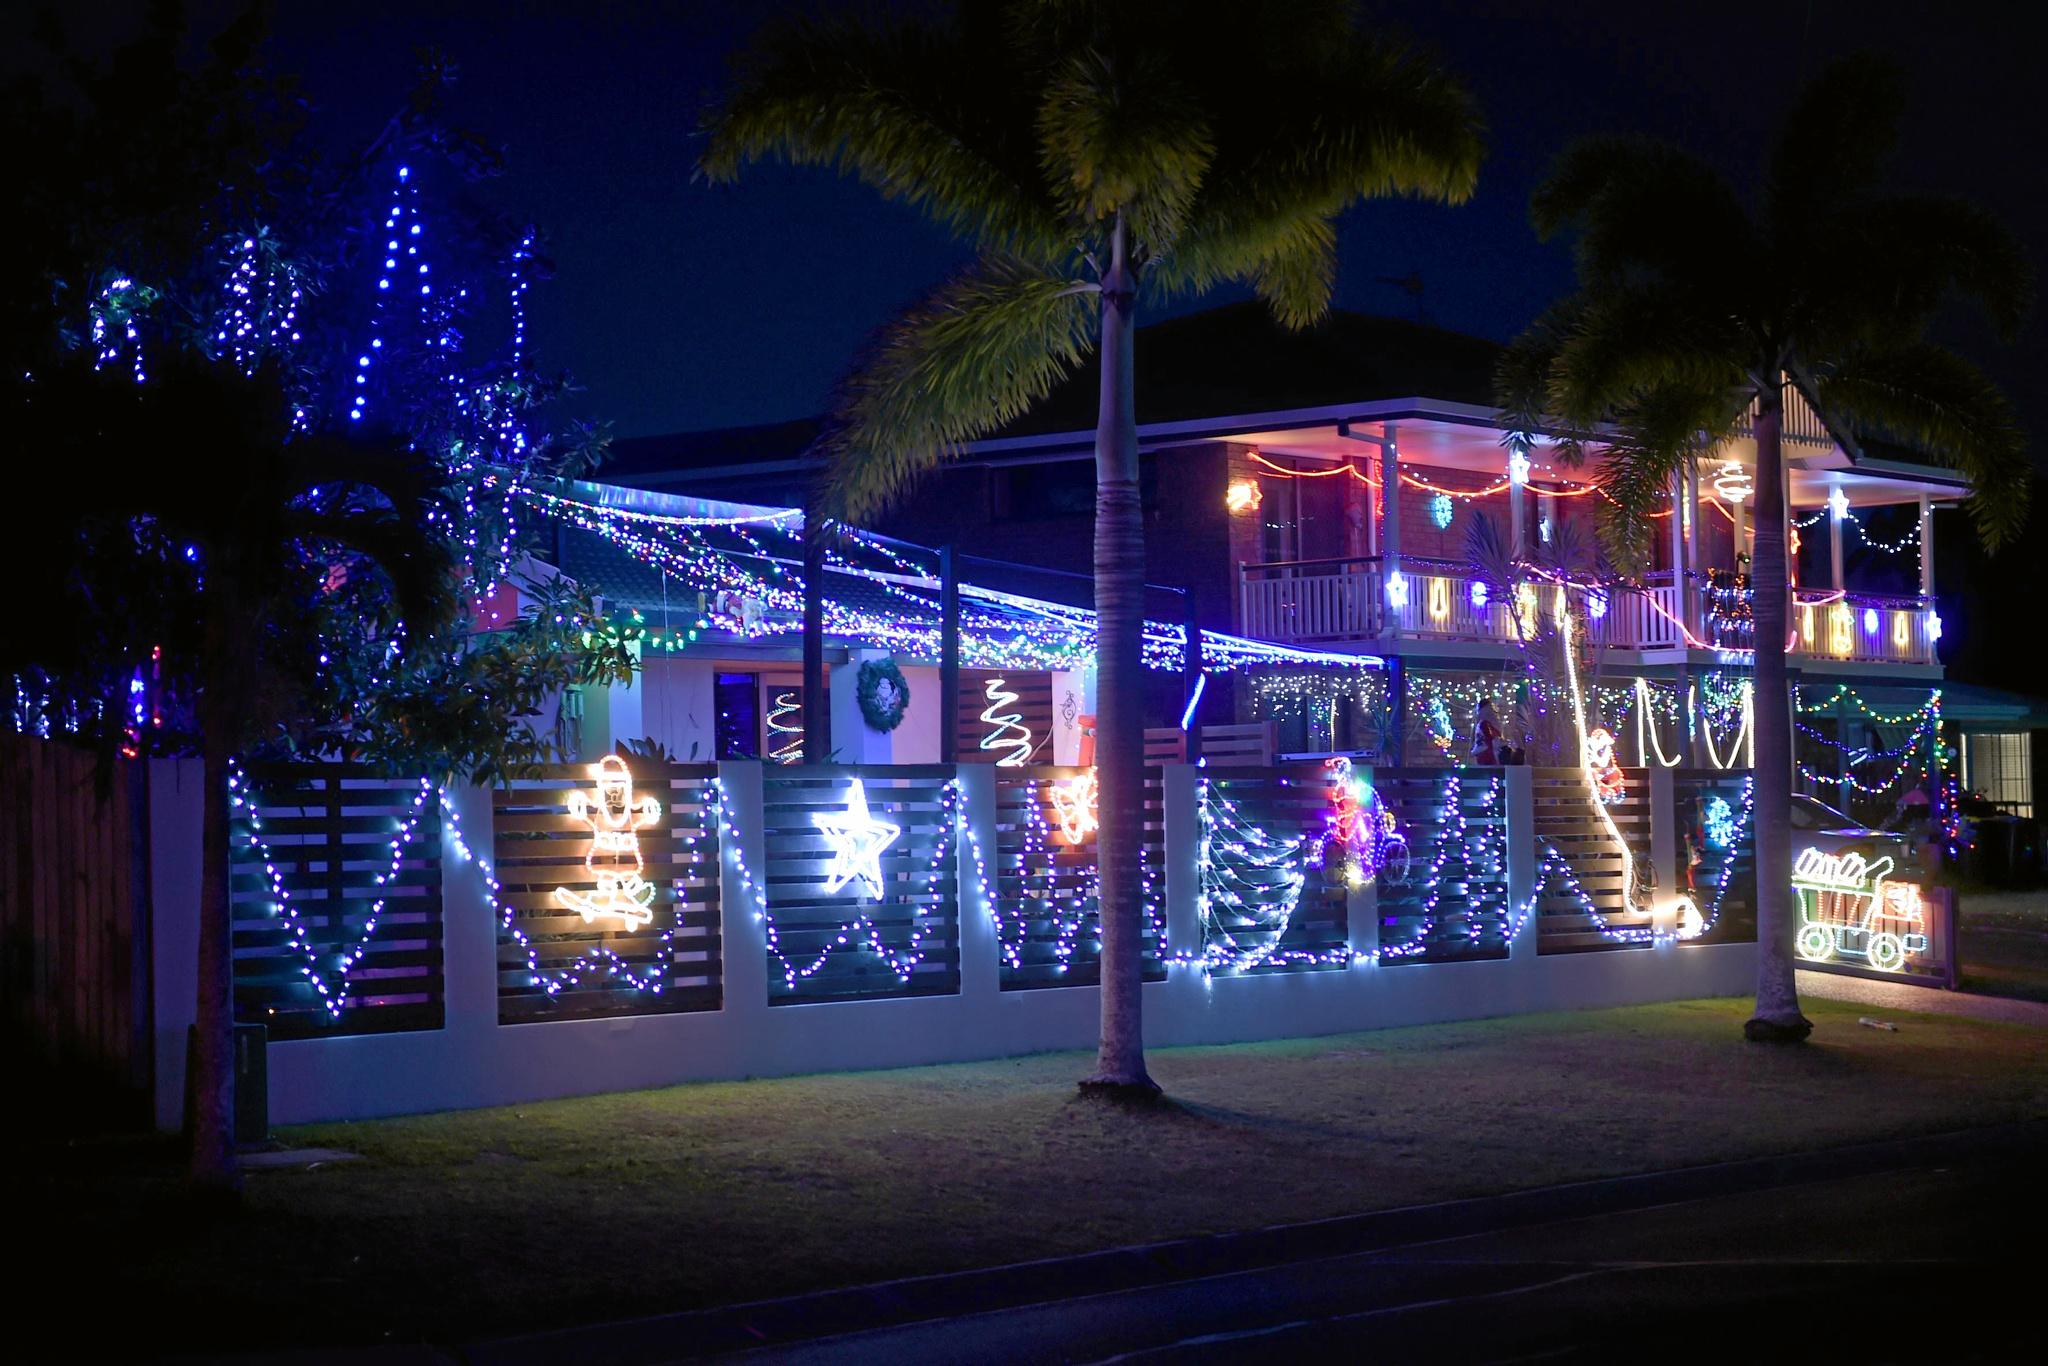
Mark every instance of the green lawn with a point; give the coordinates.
(492, 1222)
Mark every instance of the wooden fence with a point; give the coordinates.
(1567, 822)
(561, 954)
(1443, 895)
(1723, 883)
(834, 934)
(1286, 805)
(335, 892)
(74, 940)
(1044, 882)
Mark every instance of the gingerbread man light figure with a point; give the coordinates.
(616, 818)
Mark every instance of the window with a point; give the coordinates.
(2000, 768)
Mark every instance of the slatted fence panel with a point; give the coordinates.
(559, 964)
(1285, 804)
(825, 938)
(1567, 819)
(1733, 865)
(1251, 745)
(74, 978)
(1045, 885)
(1469, 918)
(1032, 707)
(333, 837)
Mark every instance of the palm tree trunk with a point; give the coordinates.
(1777, 1018)
(1119, 686)
(212, 1169)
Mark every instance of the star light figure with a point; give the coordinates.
(857, 841)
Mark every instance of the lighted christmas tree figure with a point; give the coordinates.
(782, 728)
(1009, 733)
(616, 819)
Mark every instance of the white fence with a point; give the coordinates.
(475, 1058)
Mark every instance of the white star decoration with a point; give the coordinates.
(857, 841)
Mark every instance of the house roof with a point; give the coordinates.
(1233, 359)
(736, 572)
(1976, 708)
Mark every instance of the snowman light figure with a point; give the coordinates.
(615, 818)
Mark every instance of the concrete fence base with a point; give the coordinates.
(473, 1060)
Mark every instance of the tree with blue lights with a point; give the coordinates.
(268, 457)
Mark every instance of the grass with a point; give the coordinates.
(486, 1223)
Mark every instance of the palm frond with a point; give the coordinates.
(1835, 142)
(1365, 119)
(1124, 139)
(926, 112)
(1884, 268)
(1931, 400)
(975, 353)
(1643, 207)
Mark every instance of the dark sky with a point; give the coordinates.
(681, 307)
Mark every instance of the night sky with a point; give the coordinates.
(682, 307)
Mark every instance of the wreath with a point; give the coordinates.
(882, 693)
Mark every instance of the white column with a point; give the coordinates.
(1679, 561)
(1689, 589)
(1392, 608)
(1834, 548)
(1927, 549)
(1182, 841)
(176, 814)
(1518, 513)
(469, 927)
(1521, 817)
(981, 966)
(743, 938)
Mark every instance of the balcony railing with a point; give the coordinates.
(1332, 601)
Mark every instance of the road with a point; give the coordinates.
(1937, 1259)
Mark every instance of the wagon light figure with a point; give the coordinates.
(615, 817)
(1850, 908)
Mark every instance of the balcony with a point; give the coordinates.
(1337, 601)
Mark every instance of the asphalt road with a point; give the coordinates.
(1937, 1259)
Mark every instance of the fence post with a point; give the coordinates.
(469, 921)
(742, 938)
(176, 816)
(1520, 798)
(1182, 843)
(1666, 875)
(981, 966)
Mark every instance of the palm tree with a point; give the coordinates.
(1695, 310)
(195, 480)
(1092, 154)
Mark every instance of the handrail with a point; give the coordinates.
(1310, 564)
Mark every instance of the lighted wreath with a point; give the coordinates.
(882, 694)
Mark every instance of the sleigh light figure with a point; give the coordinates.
(615, 817)
(1850, 908)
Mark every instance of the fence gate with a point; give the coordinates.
(74, 938)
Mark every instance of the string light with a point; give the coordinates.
(1008, 734)
(329, 983)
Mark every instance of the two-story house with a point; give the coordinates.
(1347, 489)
